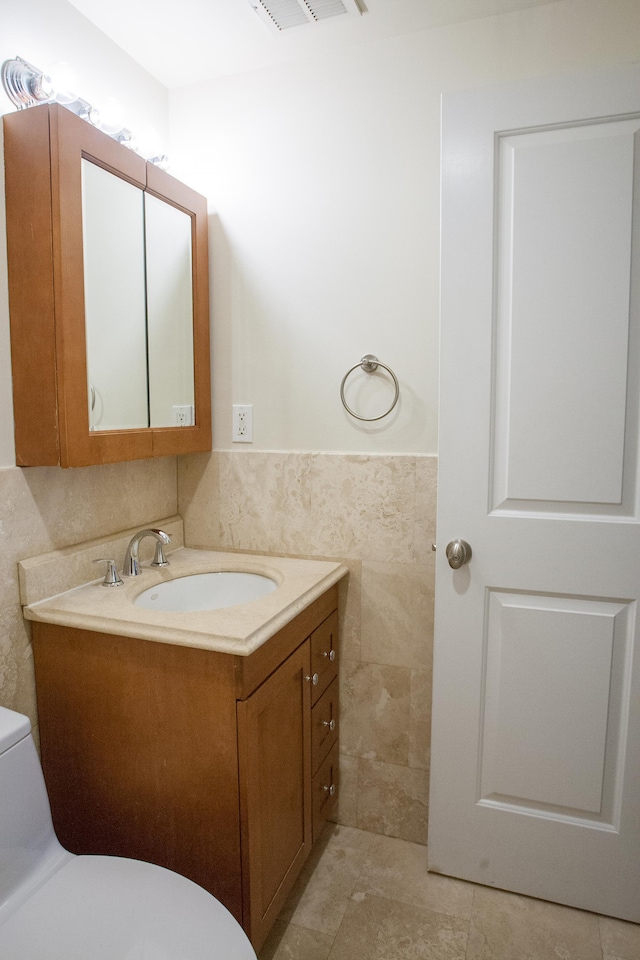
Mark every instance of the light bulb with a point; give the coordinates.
(111, 116)
(64, 82)
(148, 144)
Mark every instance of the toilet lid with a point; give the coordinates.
(110, 908)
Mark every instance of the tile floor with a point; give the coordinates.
(363, 896)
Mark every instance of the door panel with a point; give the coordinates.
(535, 771)
(544, 742)
(564, 259)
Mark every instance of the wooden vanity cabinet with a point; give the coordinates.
(217, 766)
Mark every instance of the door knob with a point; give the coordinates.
(458, 553)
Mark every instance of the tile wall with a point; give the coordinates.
(376, 514)
(48, 508)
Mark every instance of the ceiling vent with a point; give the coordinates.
(280, 15)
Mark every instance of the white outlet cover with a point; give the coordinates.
(242, 423)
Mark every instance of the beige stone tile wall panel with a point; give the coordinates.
(393, 800)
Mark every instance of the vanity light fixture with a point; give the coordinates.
(27, 86)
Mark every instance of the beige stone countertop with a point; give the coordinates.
(239, 630)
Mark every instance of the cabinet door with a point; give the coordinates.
(274, 738)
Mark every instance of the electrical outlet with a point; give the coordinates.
(242, 424)
(183, 415)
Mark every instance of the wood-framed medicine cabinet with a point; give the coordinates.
(94, 319)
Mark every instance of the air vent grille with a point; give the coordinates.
(321, 9)
(282, 15)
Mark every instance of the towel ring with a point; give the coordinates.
(369, 363)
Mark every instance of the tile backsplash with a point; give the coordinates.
(48, 508)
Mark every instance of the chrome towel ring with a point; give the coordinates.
(369, 363)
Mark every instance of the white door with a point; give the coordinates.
(536, 727)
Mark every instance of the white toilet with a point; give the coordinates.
(55, 905)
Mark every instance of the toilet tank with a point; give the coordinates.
(29, 849)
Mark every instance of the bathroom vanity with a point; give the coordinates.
(220, 765)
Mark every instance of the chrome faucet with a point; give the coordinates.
(131, 567)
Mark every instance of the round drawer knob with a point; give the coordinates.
(314, 679)
(331, 790)
(329, 723)
(330, 654)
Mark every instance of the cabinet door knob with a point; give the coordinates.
(314, 679)
(331, 654)
(329, 723)
(331, 790)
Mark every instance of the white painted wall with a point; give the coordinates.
(45, 32)
(323, 183)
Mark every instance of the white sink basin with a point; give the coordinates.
(205, 591)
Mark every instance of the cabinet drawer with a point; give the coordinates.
(324, 725)
(324, 654)
(325, 791)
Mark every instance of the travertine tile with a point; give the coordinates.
(68, 506)
(326, 887)
(199, 499)
(506, 926)
(420, 719)
(14, 654)
(291, 942)
(374, 711)
(349, 608)
(363, 506)
(620, 938)
(392, 800)
(350, 837)
(426, 501)
(24, 700)
(375, 928)
(48, 508)
(265, 503)
(346, 811)
(397, 870)
(397, 614)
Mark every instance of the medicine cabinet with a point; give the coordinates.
(108, 298)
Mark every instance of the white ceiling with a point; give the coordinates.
(196, 40)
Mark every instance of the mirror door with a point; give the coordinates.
(114, 298)
(138, 280)
(169, 314)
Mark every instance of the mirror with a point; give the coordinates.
(169, 314)
(138, 305)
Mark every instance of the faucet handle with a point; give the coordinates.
(159, 559)
(111, 578)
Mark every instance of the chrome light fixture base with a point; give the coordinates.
(25, 85)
